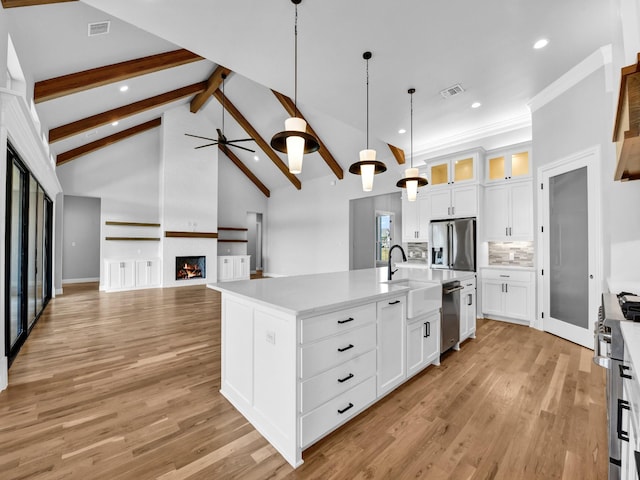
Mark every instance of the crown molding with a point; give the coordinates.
(489, 130)
(598, 59)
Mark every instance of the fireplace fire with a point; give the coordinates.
(188, 268)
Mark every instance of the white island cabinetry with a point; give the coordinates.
(303, 355)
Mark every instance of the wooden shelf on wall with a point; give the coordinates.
(626, 131)
(229, 240)
(233, 229)
(173, 234)
(133, 239)
(131, 224)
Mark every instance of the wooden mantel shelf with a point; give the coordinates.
(626, 132)
(172, 234)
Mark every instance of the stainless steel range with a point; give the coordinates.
(609, 353)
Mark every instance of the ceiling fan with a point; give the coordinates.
(222, 140)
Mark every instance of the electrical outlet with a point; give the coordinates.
(271, 337)
(512, 256)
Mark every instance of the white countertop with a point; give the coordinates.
(631, 334)
(305, 295)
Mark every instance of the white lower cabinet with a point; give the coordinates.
(468, 309)
(423, 342)
(129, 274)
(391, 343)
(234, 267)
(296, 379)
(508, 295)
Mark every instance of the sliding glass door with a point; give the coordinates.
(28, 271)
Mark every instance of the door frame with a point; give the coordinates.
(590, 158)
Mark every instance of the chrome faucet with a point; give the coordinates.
(404, 259)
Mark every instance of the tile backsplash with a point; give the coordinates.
(417, 252)
(511, 253)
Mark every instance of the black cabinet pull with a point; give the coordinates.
(622, 369)
(350, 319)
(393, 303)
(622, 405)
(427, 329)
(348, 377)
(345, 408)
(344, 349)
(469, 299)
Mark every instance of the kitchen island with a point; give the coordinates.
(302, 355)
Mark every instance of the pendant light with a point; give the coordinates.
(368, 166)
(294, 140)
(412, 179)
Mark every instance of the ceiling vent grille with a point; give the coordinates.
(99, 28)
(452, 91)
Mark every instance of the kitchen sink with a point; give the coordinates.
(422, 297)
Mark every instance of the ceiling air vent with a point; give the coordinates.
(99, 28)
(452, 91)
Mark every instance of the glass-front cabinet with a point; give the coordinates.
(507, 164)
(454, 170)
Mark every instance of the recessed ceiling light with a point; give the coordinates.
(124, 88)
(543, 42)
(115, 124)
(476, 105)
(401, 131)
(256, 158)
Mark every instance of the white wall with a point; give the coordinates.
(125, 176)
(189, 197)
(237, 196)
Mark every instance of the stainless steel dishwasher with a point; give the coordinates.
(450, 320)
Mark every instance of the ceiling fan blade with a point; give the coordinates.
(241, 148)
(241, 140)
(198, 136)
(207, 145)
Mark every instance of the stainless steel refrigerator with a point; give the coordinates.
(453, 244)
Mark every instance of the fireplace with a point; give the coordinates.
(188, 268)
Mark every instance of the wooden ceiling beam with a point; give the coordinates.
(104, 118)
(238, 163)
(266, 148)
(96, 77)
(69, 155)
(30, 3)
(398, 154)
(212, 85)
(289, 106)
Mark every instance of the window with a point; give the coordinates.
(384, 229)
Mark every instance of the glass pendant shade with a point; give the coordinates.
(367, 169)
(412, 185)
(295, 144)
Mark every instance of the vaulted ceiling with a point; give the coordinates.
(170, 53)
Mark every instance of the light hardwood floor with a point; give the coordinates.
(125, 386)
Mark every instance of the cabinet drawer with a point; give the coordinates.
(328, 416)
(507, 275)
(321, 326)
(331, 383)
(468, 284)
(335, 350)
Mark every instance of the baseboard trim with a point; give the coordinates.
(81, 280)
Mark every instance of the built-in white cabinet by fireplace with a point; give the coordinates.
(234, 267)
(129, 274)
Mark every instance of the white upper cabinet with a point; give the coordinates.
(454, 170)
(415, 218)
(455, 202)
(508, 212)
(512, 163)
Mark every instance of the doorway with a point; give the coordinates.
(384, 236)
(254, 241)
(570, 245)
